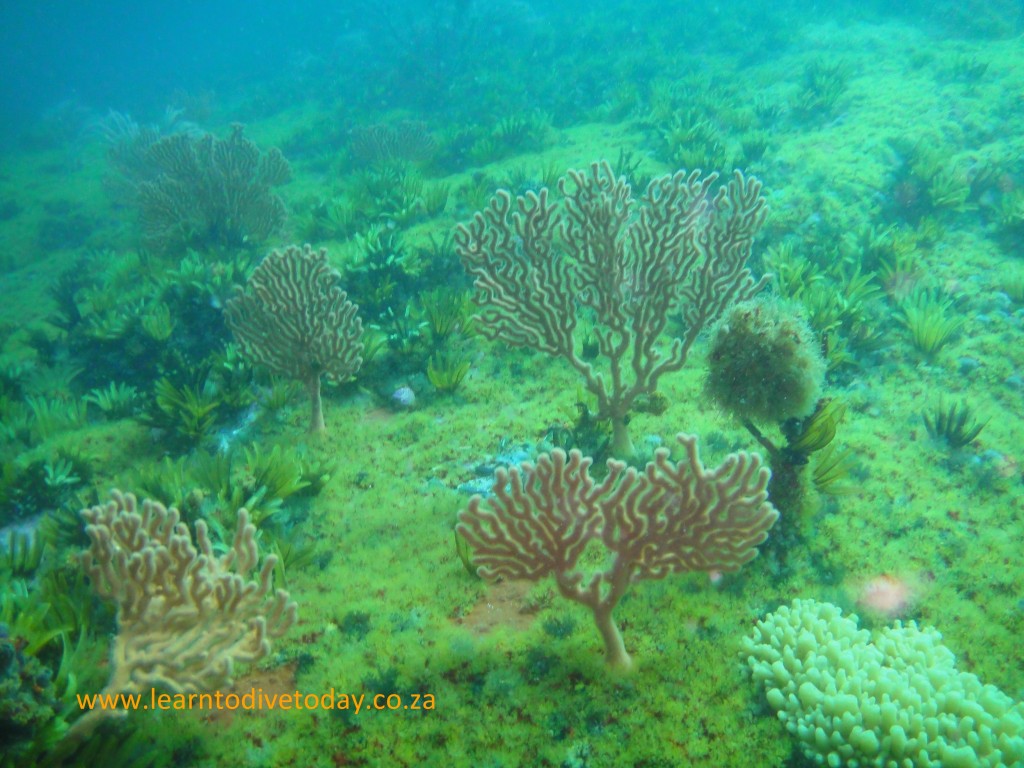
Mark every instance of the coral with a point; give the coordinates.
(210, 192)
(538, 265)
(295, 319)
(895, 698)
(185, 615)
(672, 517)
(407, 141)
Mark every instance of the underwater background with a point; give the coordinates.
(153, 155)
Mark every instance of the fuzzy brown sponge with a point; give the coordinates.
(765, 363)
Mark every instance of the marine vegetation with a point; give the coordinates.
(925, 314)
(953, 426)
(764, 363)
(185, 413)
(446, 372)
(765, 367)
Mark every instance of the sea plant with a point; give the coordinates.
(402, 332)
(476, 191)
(965, 68)
(381, 273)
(292, 555)
(334, 218)
(949, 188)
(808, 440)
(926, 181)
(66, 589)
(15, 420)
(133, 748)
(62, 527)
(12, 377)
(187, 413)
(864, 336)
(172, 479)
(278, 473)
(823, 85)
(393, 194)
(753, 145)
(926, 316)
(445, 372)
(857, 290)
(832, 466)
(900, 272)
(25, 492)
(210, 485)
(59, 472)
(116, 400)
(142, 319)
(22, 554)
(28, 618)
(817, 431)
(59, 379)
(1010, 219)
(51, 416)
(1011, 282)
(462, 549)
(283, 391)
(157, 321)
(824, 305)
(792, 274)
(690, 140)
(316, 472)
(382, 145)
(434, 199)
(954, 425)
(203, 282)
(513, 134)
(446, 312)
(523, 131)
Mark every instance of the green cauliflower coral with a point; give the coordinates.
(895, 699)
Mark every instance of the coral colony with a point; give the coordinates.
(683, 251)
